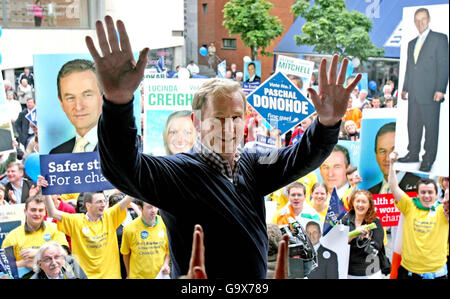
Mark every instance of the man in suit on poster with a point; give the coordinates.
(384, 146)
(426, 79)
(81, 99)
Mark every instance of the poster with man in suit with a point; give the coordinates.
(69, 103)
(423, 108)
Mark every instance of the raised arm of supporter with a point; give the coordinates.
(197, 263)
(52, 211)
(125, 202)
(135, 208)
(392, 178)
(117, 71)
(281, 269)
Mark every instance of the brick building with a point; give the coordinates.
(231, 48)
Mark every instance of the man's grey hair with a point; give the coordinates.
(216, 87)
(41, 251)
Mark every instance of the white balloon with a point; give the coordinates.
(183, 73)
(247, 59)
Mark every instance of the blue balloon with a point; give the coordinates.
(33, 166)
(203, 51)
(372, 85)
(0, 31)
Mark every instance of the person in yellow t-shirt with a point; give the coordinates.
(93, 235)
(145, 246)
(35, 232)
(425, 229)
(320, 199)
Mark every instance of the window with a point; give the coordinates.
(54, 13)
(229, 43)
(205, 8)
(177, 33)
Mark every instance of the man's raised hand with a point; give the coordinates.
(331, 102)
(118, 73)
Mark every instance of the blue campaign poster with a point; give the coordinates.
(61, 123)
(71, 173)
(53, 123)
(280, 103)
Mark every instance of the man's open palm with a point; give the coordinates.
(118, 73)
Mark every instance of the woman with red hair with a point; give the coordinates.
(364, 261)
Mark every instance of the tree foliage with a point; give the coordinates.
(251, 20)
(331, 29)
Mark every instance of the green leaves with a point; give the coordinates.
(251, 20)
(331, 29)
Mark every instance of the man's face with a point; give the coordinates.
(387, 92)
(421, 21)
(333, 171)
(51, 262)
(296, 197)
(350, 128)
(24, 82)
(35, 213)
(30, 104)
(313, 234)
(81, 100)
(376, 103)
(385, 146)
(389, 104)
(362, 95)
(149, 212)
(181, 135)
(14, 174)
(222, 127)
(97, 207)
(251, 70)
(427, 194)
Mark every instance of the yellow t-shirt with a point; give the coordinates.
(94, 243)
(34, 240)
(425, 235)
(148, 247)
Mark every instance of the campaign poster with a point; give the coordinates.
(2, 90)
(11, 216)
(280, 103)
(337, 241)
(299, 71)
(423, 72)
(378, 134)
(252, 76)
(67, 109)
(163, 98)
(6, 130)
(333, 171)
